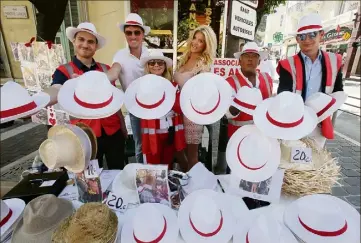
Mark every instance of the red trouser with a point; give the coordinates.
(165, 153)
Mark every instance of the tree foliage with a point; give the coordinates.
(266, 7)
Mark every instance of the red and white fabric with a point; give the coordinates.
(11, 212)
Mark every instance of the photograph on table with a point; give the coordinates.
(29, 72)
(15, 50)
(89, 190)
(26, 54)
(41, 53)
(262, 187)
(152, 184)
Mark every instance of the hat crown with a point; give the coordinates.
(311, 19)
(148, 223)
(205, 214)
(250, 46)
(250, 95)
(87, 26)
(14, 95)
(318, 101)
(4, 210)
(255, 142)
(204, 95)
(133, 17)
(155, 53)
(150, 89)
(287, 107)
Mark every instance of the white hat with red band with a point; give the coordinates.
(325, 105)
(150, 97)
(86, 27)
(249, 47)
(11, 211)
(135, 20)
(252, 156)
(205, 216)
(285, 117)
(150, 222)
(205, 98)
(324, 219)
(17, 103)
(90, 96)
(309, 23)
(247, 99)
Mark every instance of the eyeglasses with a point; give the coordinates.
(311, 35)
(158, 62)
(130, 33)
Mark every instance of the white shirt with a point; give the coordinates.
(131, 67)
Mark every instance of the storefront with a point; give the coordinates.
(336, 39)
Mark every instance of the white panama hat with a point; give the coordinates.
(205, 217)
(309, 23)
(323, 219)
(285, 117)
(90, 96)
(249, 47)
(11, 212)
(86, 27)
(17, 103)
(205, 98)
(150, 222)
(135, 20)
(156, 55)
(251, 155)
(247, 99)
(67, 146)
(150, 97)
(325, 105)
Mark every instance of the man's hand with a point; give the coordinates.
(234, 111)
(114, 71)
(53, 92)
(74, 75)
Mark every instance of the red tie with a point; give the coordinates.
(327, 128)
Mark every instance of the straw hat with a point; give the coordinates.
(86, 27)
(150, 97)
(67, 146)
(92, 222)
(249, 47)
(309, 23)
(205, 98)
(135, 20)
(11, 212)
(41, 216)
(150, 222)
(156, 55)
(247, 99)
(285, 117)
(251, 155)
(92, 138)
(90, 96)
(17, 103)
(323, 218)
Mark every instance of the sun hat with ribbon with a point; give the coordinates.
(67, 146)
(150, 97)
(86, 27)
(90, 96)
(11, 212)
(285, 117)
(135, 20)
(247, 99)
(309, 23)
(205, 98)
(249, 47)
(323, 218)
(41, 217)
(92, 138)
(325, 105)
(17, 103)
(251, 155)
(150, 222)
(205, 216)
(92, 222)
(156, 55)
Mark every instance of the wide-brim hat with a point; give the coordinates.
(247, 99)
(205, 98)
(86, 27)
(90, 96)
(309, 23)
(161, 228)
(92, 138)
(249, 47)
(252, 156)
(323, 218)
(285, 117)
(15, 208)
(17, 103)
(205, 216)
(156, 55)
(150, 97)
(135, 20)
(325, 105)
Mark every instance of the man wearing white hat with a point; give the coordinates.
(311, 70)
(110, 131)
(127, 67)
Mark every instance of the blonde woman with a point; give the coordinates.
(198, 57)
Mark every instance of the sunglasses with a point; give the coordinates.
(130, 33)
(159, 62)
(311, 35)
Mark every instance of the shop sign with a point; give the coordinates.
(339, 33)
(243, 21)
(15, 12)
(225, 67)
(200, 19)
(277, 37)
(253, 4)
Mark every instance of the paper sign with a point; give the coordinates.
(116, 203)
(92, 171)
(48, 183)
(301, 155)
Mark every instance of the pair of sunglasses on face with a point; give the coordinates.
(311, 35)
(130, 33)
(158, 62)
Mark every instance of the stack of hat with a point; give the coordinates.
(11, 213)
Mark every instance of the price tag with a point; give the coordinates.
(116, 203)
(92, 171)
(301, 155)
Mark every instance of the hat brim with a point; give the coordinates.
(171, 235)
(225, 91)
(352, 234)
(68, 104)
(187, 232)
(41, 100)
(340, 97)
(71, 31)
(303, 129)
(240, 53)
(243, 109)
(242, 172)
(153, 113)
(144, 27)
(325, 29)
(146, 59)
(130, 195)
(17, 207)
(92, 138)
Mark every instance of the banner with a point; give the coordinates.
(225, 67)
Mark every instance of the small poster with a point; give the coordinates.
(15, 50)
(89, 189)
